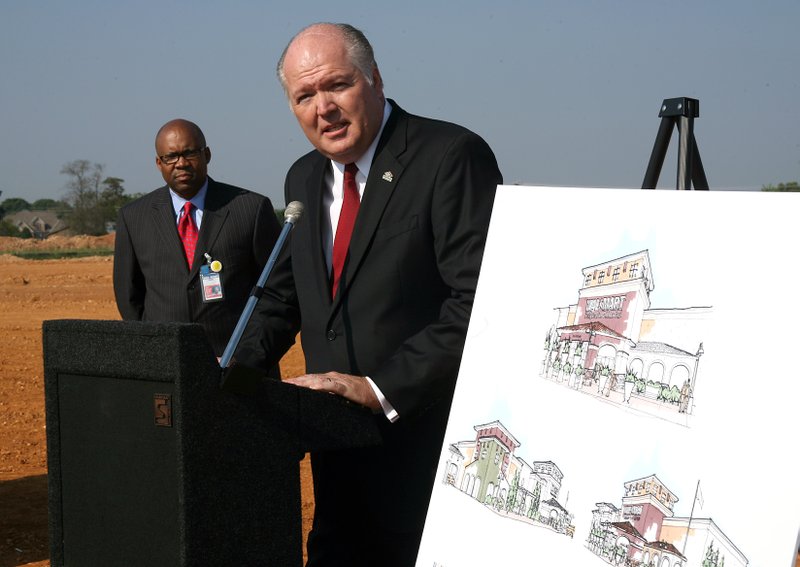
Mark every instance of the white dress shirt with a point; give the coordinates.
(332, 200)
(199, 202)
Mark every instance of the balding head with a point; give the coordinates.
(182, 142)
(183, 124)
(359, 51)
(334, 89)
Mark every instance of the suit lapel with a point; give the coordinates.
(384, 175)
(167, 227)
(214, 216)
(313, 203)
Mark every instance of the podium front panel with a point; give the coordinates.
(119, 472)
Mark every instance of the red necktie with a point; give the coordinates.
(344, 229)
(187, 230)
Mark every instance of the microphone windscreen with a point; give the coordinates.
(294, 211)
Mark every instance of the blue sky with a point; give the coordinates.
(566, 93)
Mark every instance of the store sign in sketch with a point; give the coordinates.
(612, 343)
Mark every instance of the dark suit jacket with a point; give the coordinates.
(401, 313)
(152, 281)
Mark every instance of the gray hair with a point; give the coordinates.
(358, 50)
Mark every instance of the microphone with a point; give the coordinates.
(292, 214)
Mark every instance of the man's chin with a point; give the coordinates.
(185, 190)
(339, 153)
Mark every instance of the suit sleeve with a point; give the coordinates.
(423, 370)
(129, 286)
(265, 234)
(275, 321)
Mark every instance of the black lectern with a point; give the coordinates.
(151, 463)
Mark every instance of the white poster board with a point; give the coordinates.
(630, 385)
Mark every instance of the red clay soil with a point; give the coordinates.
(32, 291)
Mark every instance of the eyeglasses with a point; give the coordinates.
(170, 159)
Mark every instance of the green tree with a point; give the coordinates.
(15, 205)
(782, 187)
(83, 194)
(512, 493)
(112, 197)
(7, 228)
(61, 208)
(58, 207)
(47, 205)
(113, 186)
(534, 508)
(93, 200)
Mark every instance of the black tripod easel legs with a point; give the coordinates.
(680, 112)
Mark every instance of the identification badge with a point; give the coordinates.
(211, 282)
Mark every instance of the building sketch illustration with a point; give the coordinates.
(606, 344)
(644, 531)
(626, 373)
(641, 531)
(488, 469)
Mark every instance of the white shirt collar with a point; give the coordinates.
(199, 200)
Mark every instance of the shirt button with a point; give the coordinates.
(331, 335)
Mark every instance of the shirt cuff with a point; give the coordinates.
(388, 410)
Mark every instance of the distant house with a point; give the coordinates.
(40, 224)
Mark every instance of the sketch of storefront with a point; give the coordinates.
(611, 341)
(488, 470)
(645, 532)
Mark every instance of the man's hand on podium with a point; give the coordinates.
(354, 388)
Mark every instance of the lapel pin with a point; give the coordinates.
(387, 176)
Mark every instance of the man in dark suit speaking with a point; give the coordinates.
(191, 251)
(380, 279)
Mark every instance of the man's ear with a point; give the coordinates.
(377, 80)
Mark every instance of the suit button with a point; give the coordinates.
(331, 335)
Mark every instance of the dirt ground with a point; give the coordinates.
(32, 291)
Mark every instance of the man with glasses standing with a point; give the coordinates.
(192, 250)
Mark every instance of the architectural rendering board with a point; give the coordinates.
(628, 392)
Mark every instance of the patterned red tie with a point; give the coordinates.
(344, 229)
(187, 230)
